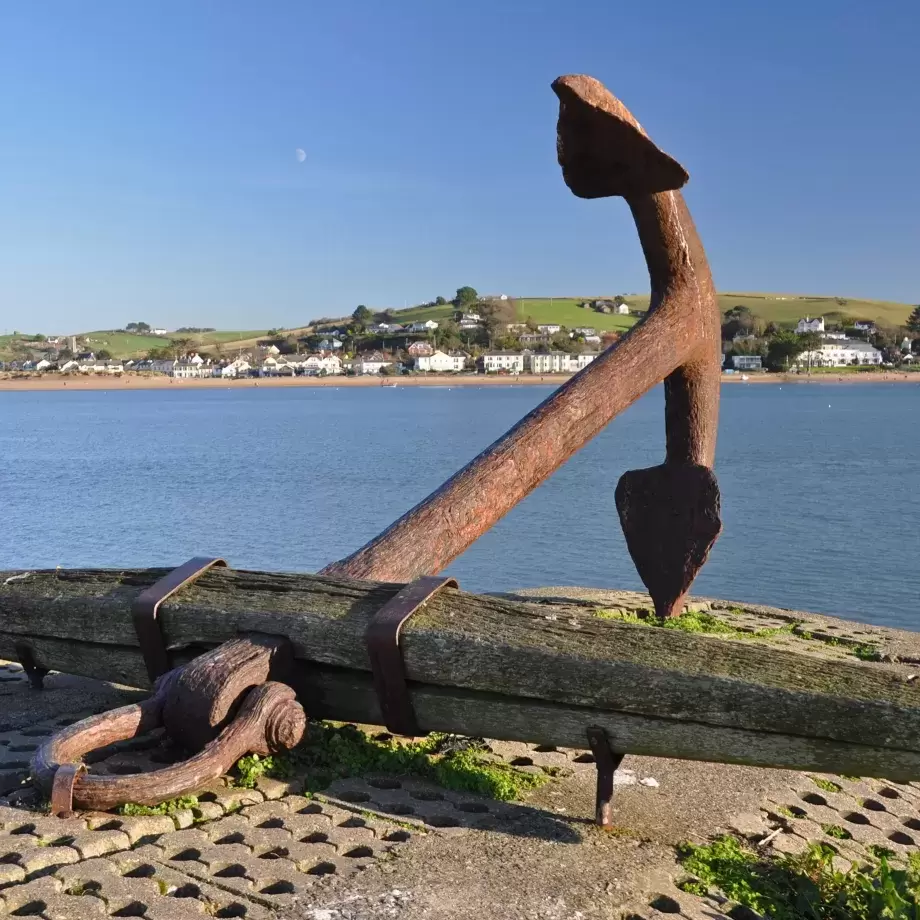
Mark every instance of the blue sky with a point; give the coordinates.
(148, 167)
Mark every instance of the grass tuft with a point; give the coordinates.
(806, 886)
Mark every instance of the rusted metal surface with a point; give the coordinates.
(62, 789)
(145, 609)
(603, 152)
(606, 760)
(268, 720)
(386, 656)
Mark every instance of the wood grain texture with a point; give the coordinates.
(663, 692)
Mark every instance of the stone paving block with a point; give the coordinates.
(182, 844)
(266, 812)
(232, 799)
(276, 788)
(38, 859)
(97, 843)
(207, 811)
(135, 889)
(226, 831)
(146, 829)
(37, 892)
(74, 907)
(11, 874)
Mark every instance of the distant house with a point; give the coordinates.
(183, 368)
(515, 327)
(420, 349)
(583, 330)
(592, 340)
(158, 332)
(236, 368)
(622, 309)
(272, 349)
(549, 328)
(747, 362)
(330, 344)
(512, 361)
(906, 345)
(865, 325)
(428, 326)
(321, 365)
(534, 338)
(556, 362)
(841, 354)
(442, 362)
(834, 336)
(372, 363)
(385, 328)
(473, 318)
(810, 325)
(43, 365)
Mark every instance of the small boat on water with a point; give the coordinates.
(745, 377)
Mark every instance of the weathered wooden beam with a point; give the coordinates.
(493, 667)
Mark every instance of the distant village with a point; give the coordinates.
(479, 335)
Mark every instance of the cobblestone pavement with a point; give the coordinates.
(383, 846)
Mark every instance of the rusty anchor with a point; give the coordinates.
(234, 699)
(669, 513)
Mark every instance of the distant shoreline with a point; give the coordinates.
(142, 382)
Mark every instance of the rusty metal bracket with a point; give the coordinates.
(382, 638)
(607, 760)
(145, 608)
(62, 789)
(34, 671)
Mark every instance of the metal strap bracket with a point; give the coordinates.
(145, 607)
(607, 761)
(382, 638)
(62, 789)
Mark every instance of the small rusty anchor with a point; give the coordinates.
(669, 513)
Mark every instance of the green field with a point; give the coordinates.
(566, 312)
(785, 309)
(129, 345)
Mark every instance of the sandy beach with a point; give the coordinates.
(159, 382)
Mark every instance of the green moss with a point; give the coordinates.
(877, 851)
(805, 886)
(252, 766)
(866, 652)
(825, 784)
(696, 621)
(169, 807)
(331, 752)
(785, 811)
(835, 830)
(622, 616)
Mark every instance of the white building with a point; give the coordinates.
(549, 328)
(330, 344)
(841, 354)
(557, 362)
(747, 362)
(372, 363)
(323, 365)
(185, 368)
(428, 326)
(622, 309)
(864, 325)
(441, 362)
(158, 332)
(583, 330)
(473, 318)
(810, 325)
(237, 368)
(512, 361)
(834, 336)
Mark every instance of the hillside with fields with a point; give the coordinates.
(782, 309)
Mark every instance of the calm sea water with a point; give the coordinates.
(820, 485)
